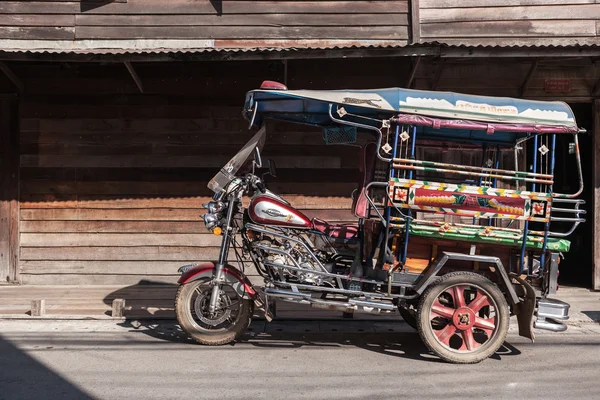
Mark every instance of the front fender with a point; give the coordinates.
(232, 276)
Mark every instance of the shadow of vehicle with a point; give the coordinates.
(397, 341)
(146, 300)
(23, 377)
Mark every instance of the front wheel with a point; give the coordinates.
(463, 318)
(229, 321)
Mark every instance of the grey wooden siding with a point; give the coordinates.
(510, 22)
(73, 25)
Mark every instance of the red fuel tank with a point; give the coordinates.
(270, 210)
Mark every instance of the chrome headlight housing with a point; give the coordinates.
(211, 220)
(214, 207)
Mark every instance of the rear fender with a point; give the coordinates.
(231, 276)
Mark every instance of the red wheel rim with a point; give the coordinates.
(463, 318)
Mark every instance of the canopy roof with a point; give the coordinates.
(468, 117)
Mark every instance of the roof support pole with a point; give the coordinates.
(135, 76)
(413, 72)
(532, 69)
(12, 77)
(438, 74)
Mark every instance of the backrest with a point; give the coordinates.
(368, 156)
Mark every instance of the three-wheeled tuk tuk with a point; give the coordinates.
(457, 223)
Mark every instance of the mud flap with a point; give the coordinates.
(525, 309)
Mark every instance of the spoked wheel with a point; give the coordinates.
(463, 318)
(227, 323)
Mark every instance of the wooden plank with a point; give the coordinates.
(157, 161)
(86, 267)
(531, 13)
(279, 20)
(113, 227)
(9, 189)
(180, 189)
(143, 202)
(117, 239)
(559, 28)
(496, 3)
(206, 7)
(240, 32)
(62, 279)
(37, 32)
(55, 20)
(30, 218)
(520, 42)
(66, 214)
(596, 249)
(415, 23)
(184, 254)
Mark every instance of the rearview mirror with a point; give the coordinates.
(272, 168)
(257, 159)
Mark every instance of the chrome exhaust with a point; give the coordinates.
(357, 306)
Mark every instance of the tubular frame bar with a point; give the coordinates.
(472, 173)
(473, 168)
(547, 224)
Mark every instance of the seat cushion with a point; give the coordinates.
(338, 231)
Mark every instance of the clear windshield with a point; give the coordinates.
(242, 159)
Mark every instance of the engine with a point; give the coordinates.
(294, 252)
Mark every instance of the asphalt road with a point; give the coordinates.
(288, 360)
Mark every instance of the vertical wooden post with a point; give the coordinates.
(415, 22)
(9, 188)
(118, 308)
(38, 308)
(596, 221)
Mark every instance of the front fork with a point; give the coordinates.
(223, 254)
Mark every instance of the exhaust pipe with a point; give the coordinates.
(372, 304)
(358, 306)
(284, 294)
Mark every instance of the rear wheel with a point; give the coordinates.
(223, 326)
(463, 318)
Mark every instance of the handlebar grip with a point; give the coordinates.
(261, 186)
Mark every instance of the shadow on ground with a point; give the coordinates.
(395, 342)
(23, 377)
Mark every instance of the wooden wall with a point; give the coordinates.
(178, 24)
(510, 22)
(112, 181)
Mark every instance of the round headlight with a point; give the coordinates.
(214, 206)
(211, 220)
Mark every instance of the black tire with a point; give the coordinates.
(225, 332)
(409, 315)
(464, 328)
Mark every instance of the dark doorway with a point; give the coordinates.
(576, 267)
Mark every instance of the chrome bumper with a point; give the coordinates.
(550, 313)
